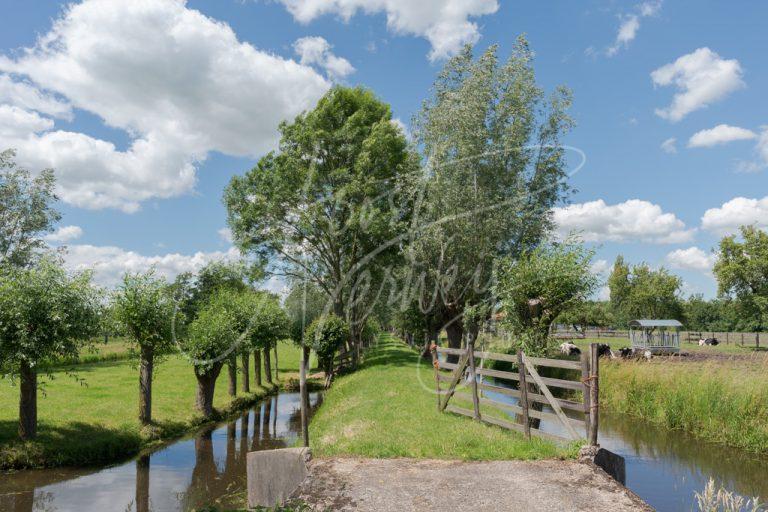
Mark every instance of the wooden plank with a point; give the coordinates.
(460, 410)
(552, 401)
(447, 366)
(523, 387)
(499, 389)
(585, 392)
(510, 358)
(497, 373)
(565, 404)
(548, 416)
(501, 405)
(455, 378)
(443, 377)
(473, 377)
(594, 394)
(438, 377)
(556, 363)
(560, 383)
(452, 351)
(503, 423)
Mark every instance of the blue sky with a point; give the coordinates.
(146, 109)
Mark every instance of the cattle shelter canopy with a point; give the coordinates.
(655, 323)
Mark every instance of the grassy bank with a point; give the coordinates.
(93, 419)
(723, 401)
(388, 409)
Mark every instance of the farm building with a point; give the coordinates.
(658, 336)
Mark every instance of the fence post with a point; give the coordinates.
(303, 395)
(757, 340)
(435, 365)
(473, 376)
(594, 394)
(585, 380)
(523, 385)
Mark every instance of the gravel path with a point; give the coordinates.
(430, 485)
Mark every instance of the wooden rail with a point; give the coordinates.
(527, 386)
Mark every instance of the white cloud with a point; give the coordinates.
(739, 211)
(65, 234)
(691, 258)
(761, 150)
(444, 23)
(29, 97)
(630, 24)
(17, 122)
(720, 134)
(225, 234)
(316, 51)
(179, 83)
(631, 221)
(669, 145)
(110, 263)
(600, 267)
(701, 78)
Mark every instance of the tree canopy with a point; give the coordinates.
(641, 292)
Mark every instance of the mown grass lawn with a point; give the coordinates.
(388, 409)
(93, 417)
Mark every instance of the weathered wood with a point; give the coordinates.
(455, 378)
(555, 363)
(460, 410)
(497, 373)
(585, 388)
(523, 394)
(510, 358)
(444, 365)
(452, 351)
(473, 377)
(594, 394)
(303, 395)
(438, 377)
(533, 397)
(552, 401)
(443, 377)
(560, 383)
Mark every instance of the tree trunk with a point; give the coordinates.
(455, 332)
(206, 385)
(246, 386)
(28, 402)
(426, 353)
(277, 367)
(146, 365)
(232, 370)
(267, 366)
(257, 367)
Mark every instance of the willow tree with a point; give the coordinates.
(331, 204)
(44, 314)
(495, 169)
(144, 307)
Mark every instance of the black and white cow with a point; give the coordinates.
(569, 349)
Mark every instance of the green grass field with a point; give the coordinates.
(723, 401)
(388, 409)
(94, 418)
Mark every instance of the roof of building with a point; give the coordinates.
(655, 323)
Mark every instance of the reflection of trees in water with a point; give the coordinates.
(739, 471)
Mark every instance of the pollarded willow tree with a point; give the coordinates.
(144, 306)
(44, 314)
(331, 205)
(495, 169)
(26, 211)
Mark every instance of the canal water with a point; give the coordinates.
(205, 469)
(664, 468)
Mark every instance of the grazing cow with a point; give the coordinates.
(604, 350)
(709, 341)
(647, 355)
(702, 341)
(569, 349)
(625, 352)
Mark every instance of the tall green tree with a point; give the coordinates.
(44, 314)
(495, 169)
(539, 286)
(331, 204)
(742, 273)
(327, 334)
(641, 292)
(144, 306)
(26, 210)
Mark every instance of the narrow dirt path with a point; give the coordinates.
(430, 485)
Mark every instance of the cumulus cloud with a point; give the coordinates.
(65, 234)
(444, 23)
(17, 122)
(720, 134)
(701, 78)
(225, 234)
(739, 211)
(761, 152)
(691, 258)
(630, 24)
(316, 51)
(631, 221)
(178, 82)
(110, 263)
(669, 145)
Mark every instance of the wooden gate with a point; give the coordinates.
(528, 388)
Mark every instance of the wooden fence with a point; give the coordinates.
(747, 339)
(531, 391)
